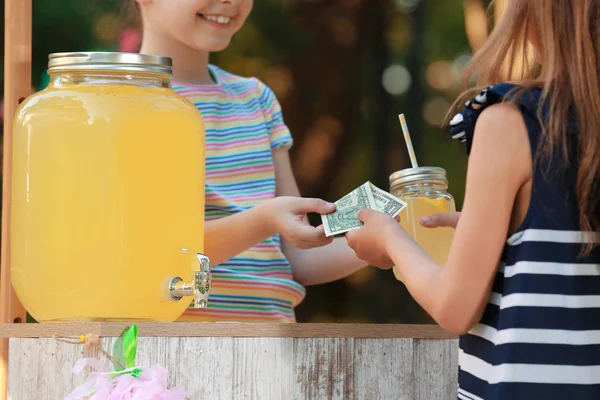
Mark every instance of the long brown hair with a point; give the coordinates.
(567, 33)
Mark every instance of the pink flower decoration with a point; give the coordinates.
(121, 385)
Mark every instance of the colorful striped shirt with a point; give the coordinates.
(244, 124)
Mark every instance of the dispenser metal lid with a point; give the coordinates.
(110, 61)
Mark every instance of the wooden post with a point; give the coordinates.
(17, 86)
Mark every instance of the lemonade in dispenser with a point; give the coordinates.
(107, 216)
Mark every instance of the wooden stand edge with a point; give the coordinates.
(225, 329)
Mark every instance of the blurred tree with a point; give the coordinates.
(335, 54)
(343, 70)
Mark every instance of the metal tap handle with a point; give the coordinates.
(202, 282)
(198, 287)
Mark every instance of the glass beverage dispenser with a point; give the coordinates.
(107, 216)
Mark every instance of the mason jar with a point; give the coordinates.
(107, 216)
(425, 191)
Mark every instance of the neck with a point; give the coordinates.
(189, 65)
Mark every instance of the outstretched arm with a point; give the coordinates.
(455, 296)
(317, 265)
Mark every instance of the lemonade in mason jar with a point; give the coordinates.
(425, 191)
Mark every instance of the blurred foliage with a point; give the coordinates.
(343, 70)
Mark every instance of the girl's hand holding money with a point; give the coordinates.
(287, 215)
(283, 215)
(370, 241)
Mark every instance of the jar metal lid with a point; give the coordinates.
(410, 175)
(109, 61)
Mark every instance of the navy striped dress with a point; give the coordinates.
(539, 337)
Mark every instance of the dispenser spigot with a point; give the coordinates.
(199, 286)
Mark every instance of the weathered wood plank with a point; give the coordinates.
(227, 329)
(383, 369)
(263, 368)
(257, 368)
(436, 369)
(324, 369)
(203, 366)
(213, 368)
(40, 369)
(21, 384)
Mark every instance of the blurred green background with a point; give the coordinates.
(343, 71)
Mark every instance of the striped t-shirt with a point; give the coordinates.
(539, 336)
(244, 124)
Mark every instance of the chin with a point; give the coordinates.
(213, 46)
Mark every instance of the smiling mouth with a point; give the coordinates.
(219, 19)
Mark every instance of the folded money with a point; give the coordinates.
(367, 195)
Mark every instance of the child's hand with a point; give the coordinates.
(288, 216)
(369, 242)
(440, 220)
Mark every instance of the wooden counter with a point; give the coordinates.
(251, 361)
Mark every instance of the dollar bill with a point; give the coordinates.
(386, 202)
(345, 218)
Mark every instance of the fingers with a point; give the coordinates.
(365, 214)
(321, 239)
(307, 237)
(315, 205)
(311, 245)
(350, 238)
(440, 220)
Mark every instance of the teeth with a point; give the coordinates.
(218, 19)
